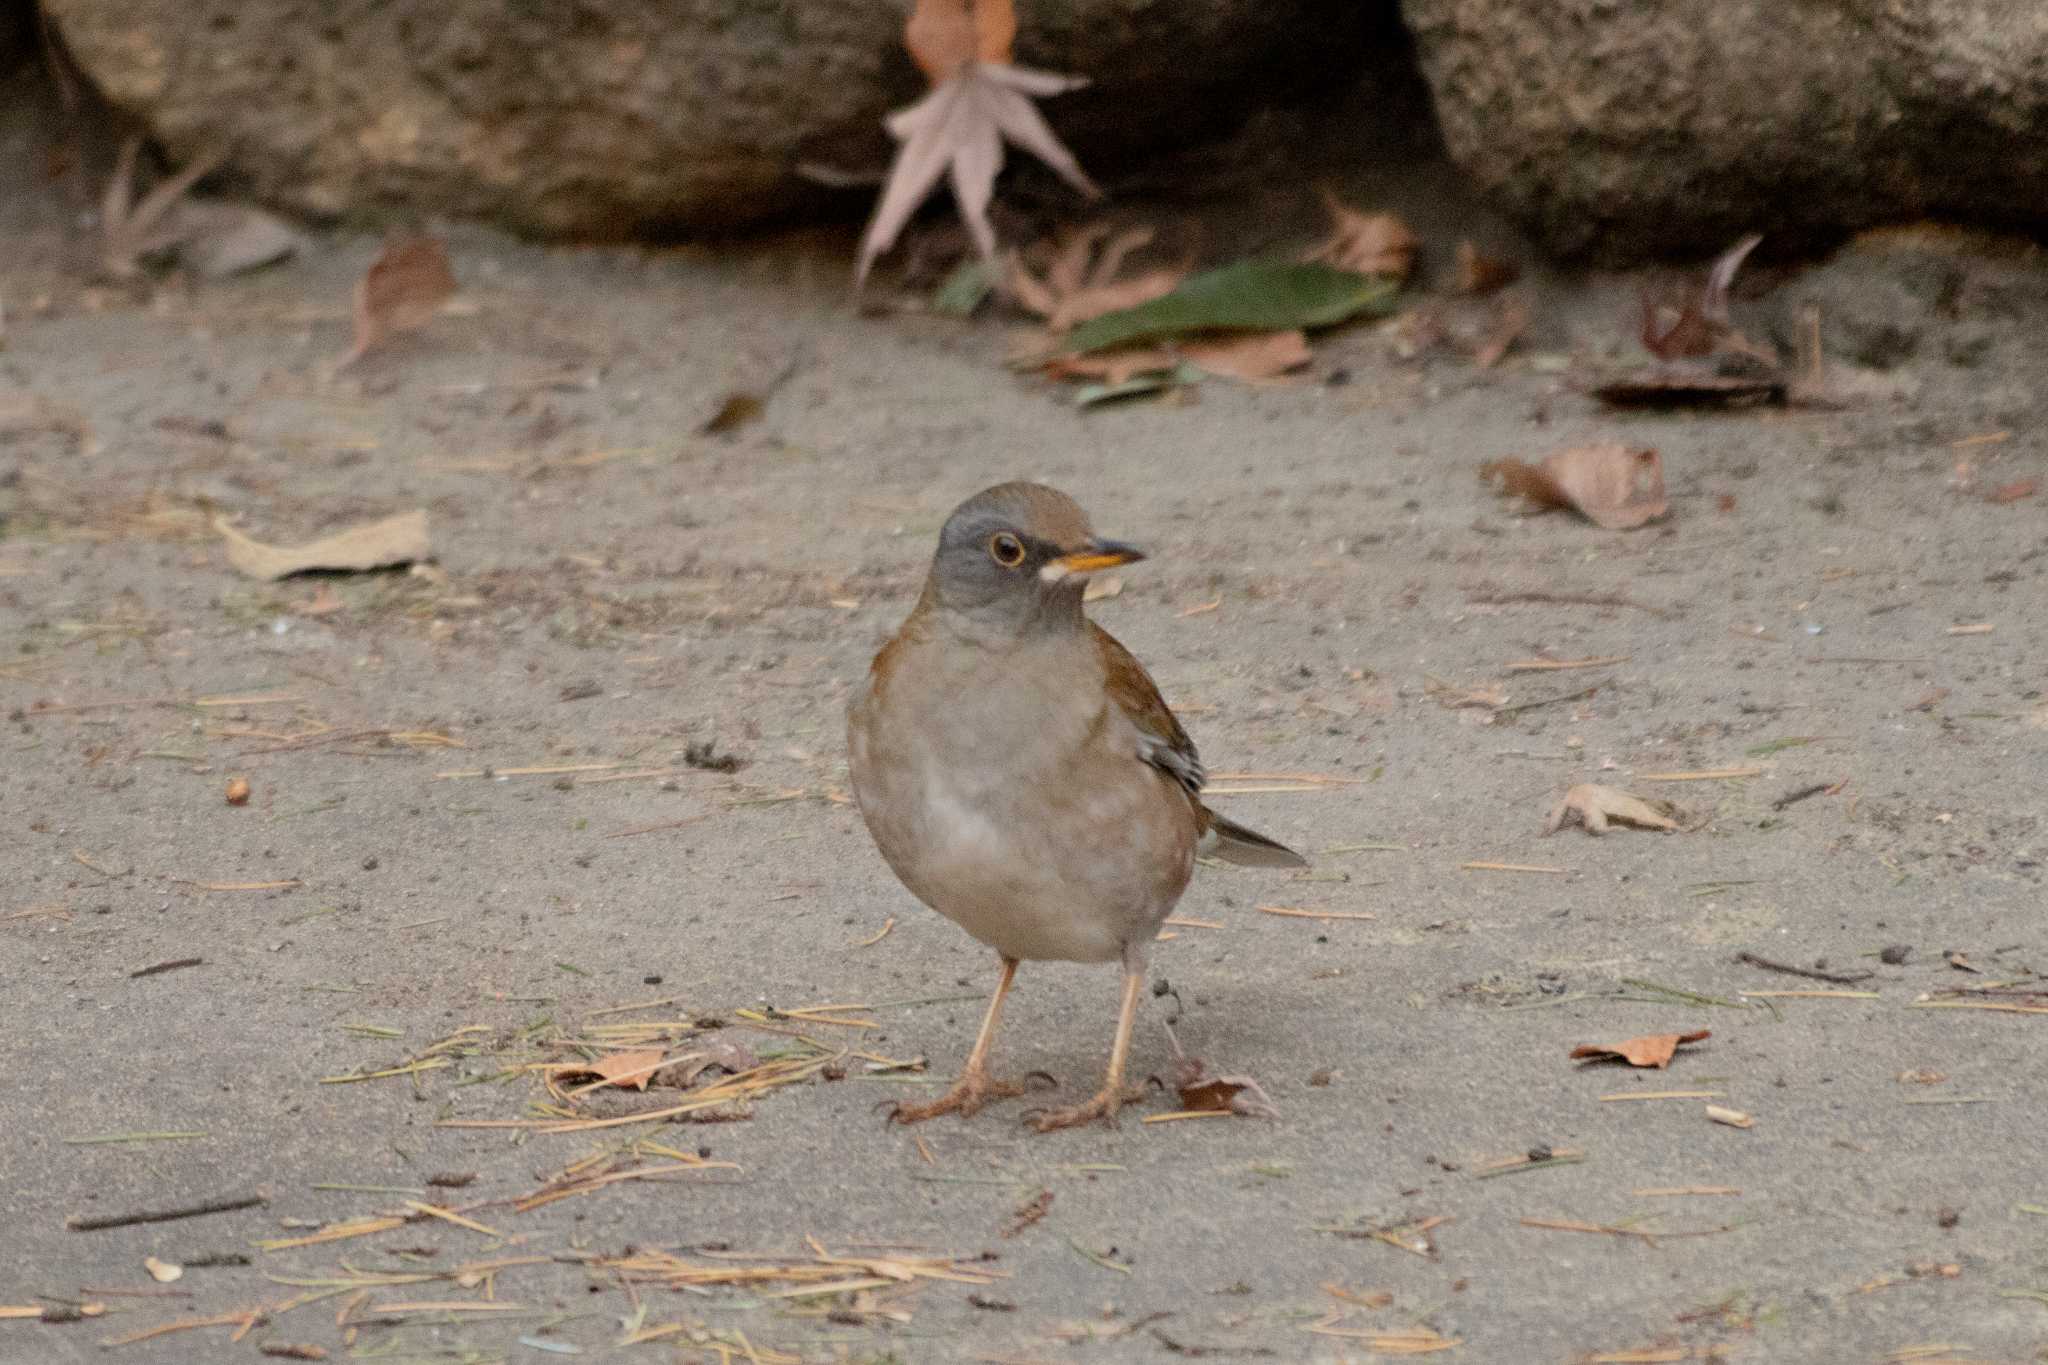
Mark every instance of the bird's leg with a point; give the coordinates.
(1112, 1096)
(975, 1087)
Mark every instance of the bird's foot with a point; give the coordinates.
(965, 1098)
(1103, 1105)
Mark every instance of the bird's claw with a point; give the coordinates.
(965, 1098)
(1103, 1105)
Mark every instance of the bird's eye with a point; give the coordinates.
(1005, 549)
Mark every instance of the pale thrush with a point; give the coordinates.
(1022, 775)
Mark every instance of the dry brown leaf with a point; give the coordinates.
(402, 291)
(1699, 326)
(1203, 1093)
(1113, 366)
(978, 101)
(1250, 356)
(1082, 283)
(633, 1068)
(1596, 806)
(1367, 243)
(1652, 1050)
(1479, 273)
(400, 539)
(1613, 485)
(2014, 491)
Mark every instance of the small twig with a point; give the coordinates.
(1515, 1165)
(170, 966)
(1810, 973)
(126, 1220)
(1580, 695)
(1794, 797)
(1569, 599)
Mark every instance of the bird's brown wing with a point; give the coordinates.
(1162, 741)
(1165, 745)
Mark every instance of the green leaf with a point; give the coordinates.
(1157, 381)
(963, 290)
(1263, 296)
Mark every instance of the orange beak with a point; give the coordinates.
(1098, 555)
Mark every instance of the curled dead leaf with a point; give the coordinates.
(1699, 326)
(1651, 1050)
(1611, 484)
(238, 791)
(1595, 807)
(1366, 243)
(400, 539)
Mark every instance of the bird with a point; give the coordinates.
(1022, 776)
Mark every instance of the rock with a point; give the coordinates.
(618, 118)
(17, 33)
(1625, 130)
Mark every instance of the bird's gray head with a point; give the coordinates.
(1013, 559)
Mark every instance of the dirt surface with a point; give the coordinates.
(625, 603)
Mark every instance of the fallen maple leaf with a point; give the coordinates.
(402, 291)
(1595, 806)
(1653, 1050)
(978, 99)
(631, 1069)
(131, 230)
(1082, 282)
(1366, 243)
(1613, 485)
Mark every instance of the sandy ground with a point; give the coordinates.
(613, 588)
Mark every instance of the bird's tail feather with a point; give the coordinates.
(1233, 843)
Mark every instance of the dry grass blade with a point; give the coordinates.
(243, 1321)
(1408, 1341)
(671, 1271)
